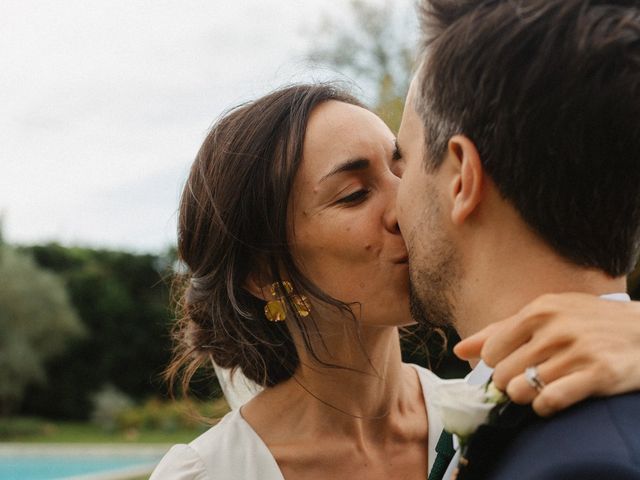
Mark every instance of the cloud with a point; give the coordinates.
(105, 105)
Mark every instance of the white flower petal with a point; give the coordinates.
(463, 407)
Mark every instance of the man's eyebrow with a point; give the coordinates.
(352, 165)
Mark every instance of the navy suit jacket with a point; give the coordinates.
(597, 439)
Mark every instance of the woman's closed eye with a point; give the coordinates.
(397, 162)
(355, 197)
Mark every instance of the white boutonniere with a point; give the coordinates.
(465, 407)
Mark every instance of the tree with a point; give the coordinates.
(1, 228)
(373, 43)
(37, 322)
(123, 299)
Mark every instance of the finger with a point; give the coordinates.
(521, 391)
(511, 334)
(470, 347)
(563, 393)
(549, 372)
(536, 352)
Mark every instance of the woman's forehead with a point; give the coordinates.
(339, 131)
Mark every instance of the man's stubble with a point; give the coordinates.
(434, 273)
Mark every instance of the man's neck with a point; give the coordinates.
(495, 290)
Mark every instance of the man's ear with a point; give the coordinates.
(467, 186)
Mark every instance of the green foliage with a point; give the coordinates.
(374, 44)
(172, 416)
(36, 430)
(1, 228)
(433, 349)
(17, 428)
(123, 299)
(108, 405)
(37, 322)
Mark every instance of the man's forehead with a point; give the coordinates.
(410, 114)
(413, 90)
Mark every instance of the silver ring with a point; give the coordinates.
(533, 379)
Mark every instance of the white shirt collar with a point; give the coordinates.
(480, 374)
(618, 297)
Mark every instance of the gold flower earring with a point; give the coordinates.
(276, 311)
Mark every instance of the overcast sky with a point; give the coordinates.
(103, 105)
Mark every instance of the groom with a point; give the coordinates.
(521, 143)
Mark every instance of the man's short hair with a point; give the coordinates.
(549, 92)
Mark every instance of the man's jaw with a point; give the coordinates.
(432, 314)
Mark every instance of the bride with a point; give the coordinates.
(298, 280)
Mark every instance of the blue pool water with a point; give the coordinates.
(49, 467)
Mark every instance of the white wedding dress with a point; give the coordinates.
(232, 450)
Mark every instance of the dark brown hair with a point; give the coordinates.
(549, 92)
(232, 223)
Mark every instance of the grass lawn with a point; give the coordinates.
(32, 430)
(146, 420)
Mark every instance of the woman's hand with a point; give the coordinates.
(582, 345)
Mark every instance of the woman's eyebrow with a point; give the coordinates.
(348, 166)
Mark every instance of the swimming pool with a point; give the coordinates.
(33, 462)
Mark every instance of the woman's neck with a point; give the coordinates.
(362, 375)
(360, 389)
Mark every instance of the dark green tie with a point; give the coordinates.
(445, 453)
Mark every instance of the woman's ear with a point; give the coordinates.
(467, 188)
(258, 286)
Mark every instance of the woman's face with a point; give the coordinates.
(345, 234)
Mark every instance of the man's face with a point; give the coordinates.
(433, 264)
